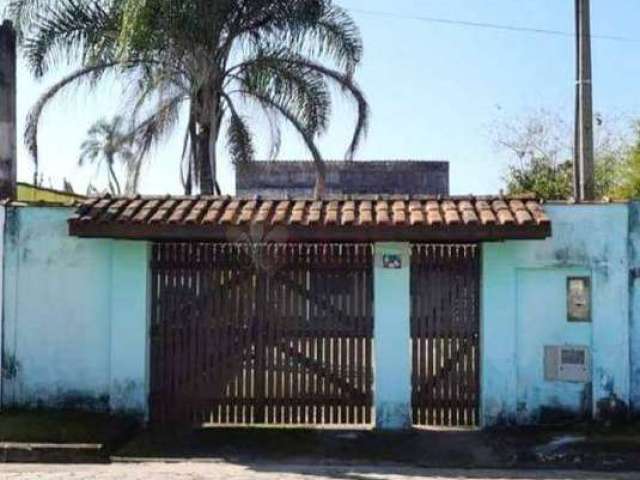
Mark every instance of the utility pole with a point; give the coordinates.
(583, 149)
(7, 111)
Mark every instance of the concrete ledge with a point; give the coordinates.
(17, 452)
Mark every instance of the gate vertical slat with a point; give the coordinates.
(212, 337)
(298, 336)
(470, 315)
(446, 325)
(368, 344)
(353, 340)
(288, 314)
(359, 364)
(455, 333)
(282, 307)
(319, 337)
(335, 346)
(155, 357)
(437, 398)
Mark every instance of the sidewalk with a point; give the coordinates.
(581, 449)
(257, 471)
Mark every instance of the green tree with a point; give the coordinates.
(206, 60)
(541, 178)
(540, 149)
(108, 146)
(628, 178)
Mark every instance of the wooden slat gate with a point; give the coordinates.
(445, 334)
(276, 334)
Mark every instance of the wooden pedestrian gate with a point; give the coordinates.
(278, 334)
(445, 333)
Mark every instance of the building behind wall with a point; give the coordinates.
(296, 179)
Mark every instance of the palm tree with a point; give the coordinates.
(108, 145)
(209, 61)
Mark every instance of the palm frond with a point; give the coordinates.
(270, 104)
(239, 138)
(153, 129)
(304, 90)
(69, 29)
(35, 114)
(282, 61)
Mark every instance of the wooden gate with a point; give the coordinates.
(275, 334)
(445, 334)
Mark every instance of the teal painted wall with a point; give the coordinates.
(541, 294)
(634, 279)
(75, 311)
(392, 303)
(524, 308)
(74, 315)
(129, 349)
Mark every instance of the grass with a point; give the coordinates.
(60, 426)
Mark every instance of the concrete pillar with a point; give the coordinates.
(7, 111)
(129, 338)
(392, 305)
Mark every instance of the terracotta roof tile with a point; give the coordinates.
(365, 215)
(382, 212)
(422, 216)
(315, 213)
(263, 212)
(281, 212)
(197, 212)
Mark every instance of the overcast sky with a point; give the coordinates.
(434, 88)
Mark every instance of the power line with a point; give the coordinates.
(486, 25)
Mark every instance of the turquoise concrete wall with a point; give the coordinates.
(541, 294)
(129, 349)
(634, 278)
(392, 303)
(74, 315)
(524, 308)
(2, 223)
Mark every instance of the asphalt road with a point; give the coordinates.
(259, 471)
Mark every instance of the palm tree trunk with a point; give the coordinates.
(113, 178)
(207, 132)
(203, 159)
(133, 181)
(320, 188)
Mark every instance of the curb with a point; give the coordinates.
(17, 452)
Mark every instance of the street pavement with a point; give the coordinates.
(219, 470)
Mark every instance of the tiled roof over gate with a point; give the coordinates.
(342, 218)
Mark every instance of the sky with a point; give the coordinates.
(435, 90)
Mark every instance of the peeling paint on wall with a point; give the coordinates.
(75, 316)
(524, 308)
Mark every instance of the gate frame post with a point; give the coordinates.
(392, 335)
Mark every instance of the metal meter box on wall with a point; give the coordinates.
(568, 363)
(578, 299)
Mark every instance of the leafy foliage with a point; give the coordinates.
(540, 147)
(109, 146)
(205, 59)
(628, 178)
(542, 178)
